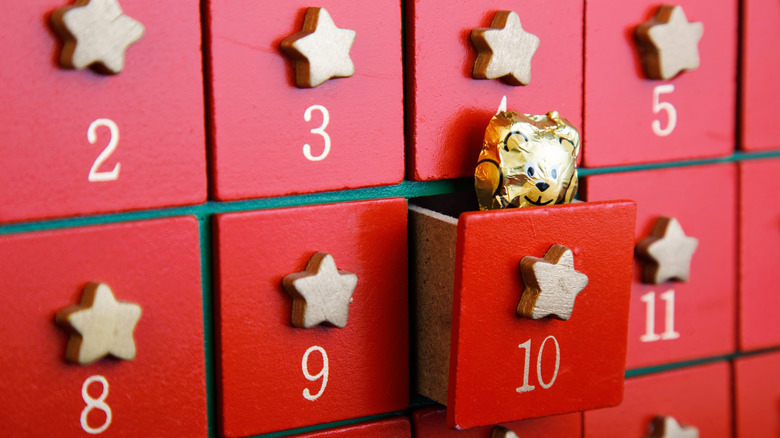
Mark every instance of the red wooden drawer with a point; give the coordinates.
(760, 88)
(757, 391)
(259, 115)
(147, 120)
(675, 321)
(621, 104)
(432, 423)
(261, 355)
(499, 366)
(698, 396)
(449, 110)
(388, 428)
(45, 272)
(759, 255)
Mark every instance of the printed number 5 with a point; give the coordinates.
(658, 106)
(319, 131)
(94, 174)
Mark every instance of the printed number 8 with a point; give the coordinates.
(323, 372)
(95, 403)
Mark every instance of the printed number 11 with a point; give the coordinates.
(669, 333)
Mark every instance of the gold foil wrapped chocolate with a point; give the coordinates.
(527, 160)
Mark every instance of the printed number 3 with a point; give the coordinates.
(94, 173)
(318, 131)
(658, 106)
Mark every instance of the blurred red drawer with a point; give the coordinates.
(757, 392)
(271, 138)
(79, 142)
(759, 255)
(501, 367)
(449, 110)
(675, 321)
(44, 272)
(632, 119)
(323, 373)
(697, 396)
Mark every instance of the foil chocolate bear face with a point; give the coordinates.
(527, 160)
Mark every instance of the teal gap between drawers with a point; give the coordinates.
(406, 189)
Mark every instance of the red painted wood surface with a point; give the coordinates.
(704, 307)
(759, 255)
(757, 392)
(698, 396)
(486, 364)
(432, 423)
(449, 110)
(388, 428)
(258, 121)
(619, 98)
(155, 264)
(156, 103)
(260, 352)
(759, 61)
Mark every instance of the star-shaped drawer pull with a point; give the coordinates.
(504, 50)
(95, 32)
(551, 284)
(321, 50)
(99, 326)
(321, 293)
(669, 43)
(668, 427)
(667, 252)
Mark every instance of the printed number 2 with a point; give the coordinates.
(527, 346)
(94, 173)
(669, 333)
(318, 131)
(322, 374)
(95, 403)
(658, 106)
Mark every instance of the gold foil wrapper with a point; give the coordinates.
(527, 160)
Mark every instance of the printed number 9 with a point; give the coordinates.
(318, 131)
(322, 374)
(658, 106)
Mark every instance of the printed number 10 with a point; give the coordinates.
(527, 346)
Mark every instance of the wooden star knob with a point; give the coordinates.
(551, 284)
(502, 432)
(320, 51)
(321, 293)
(504, 50)
(668, 427)
(667, 252)
(669, 43)
(99, 326)
(96, 33)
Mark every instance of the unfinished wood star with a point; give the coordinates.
(99, 326)
(321, 50)
(321, 293)
(668, 427)
(502, 432)
(504, 50)
(669, 43)
(95, 32)
(667, 252)
(551, 284)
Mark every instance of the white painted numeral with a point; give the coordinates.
(322, 374)
(95, 403)
(527, 346)
(502, 105)
(658, 106)
(318, 131)
(94, 173)
(669, 333)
